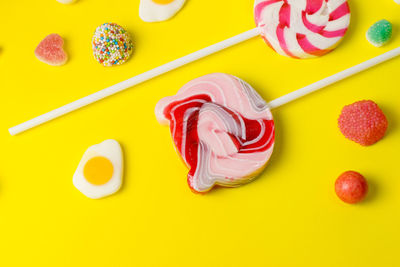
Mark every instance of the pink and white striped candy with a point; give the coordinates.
(302, 28)
(222, 129)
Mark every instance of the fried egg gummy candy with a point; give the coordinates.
(66, 1)
(222, 129)
(99, 172)
(159, 10)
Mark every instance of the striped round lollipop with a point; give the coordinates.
(222, 129)
(302, 28)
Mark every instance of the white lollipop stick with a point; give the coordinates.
(133, 81)
(190, 58)
(333, 79)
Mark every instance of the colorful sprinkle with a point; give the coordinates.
(112, 45)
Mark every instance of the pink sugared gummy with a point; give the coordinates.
(50, 50)
(363, 122)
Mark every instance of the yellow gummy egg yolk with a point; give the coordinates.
(163, 2)
(98, 170)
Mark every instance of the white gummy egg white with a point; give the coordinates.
(100, 170)
(66, 1)
(159, 10)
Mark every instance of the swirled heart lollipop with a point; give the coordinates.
(222, 129)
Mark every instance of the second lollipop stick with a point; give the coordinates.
(334, 78)
(133, 81)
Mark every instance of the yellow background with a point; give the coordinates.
(290, 216)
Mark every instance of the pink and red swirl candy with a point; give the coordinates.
(222, 129)
(302, 28)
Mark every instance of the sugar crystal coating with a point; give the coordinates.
(112, 45)
(380, 33)
(50, 50)
(363, 122)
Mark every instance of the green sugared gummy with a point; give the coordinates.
(380, 33)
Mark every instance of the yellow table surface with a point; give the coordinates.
(289, 216)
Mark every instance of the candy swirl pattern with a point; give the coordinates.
(222, 129)
(302, 28)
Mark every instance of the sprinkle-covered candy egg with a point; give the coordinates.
(99, 172)
(112, 45)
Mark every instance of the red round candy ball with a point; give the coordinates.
(351, 187)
